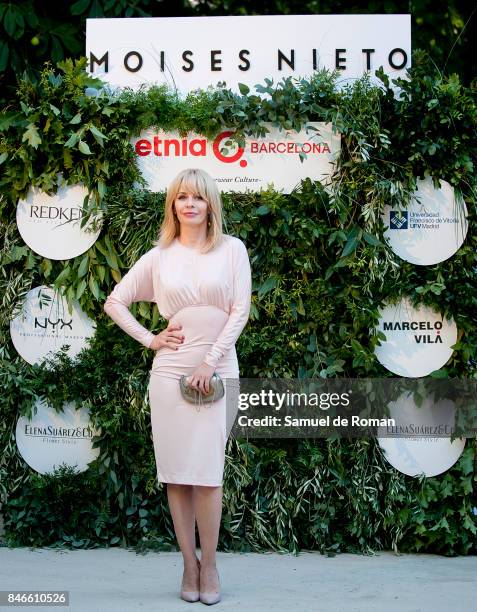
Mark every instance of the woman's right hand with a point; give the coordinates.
(168, 337)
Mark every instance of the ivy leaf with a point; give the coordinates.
(32, 135)
(467, 463)
(84, 148)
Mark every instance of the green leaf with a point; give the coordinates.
(112, 261)
(94, 287)
(144, 310)
(244, 89)
(101, 270)
(4, 53)
(10, 20)
(442, 373)
(350, 246)
(78, 8)
(62, 276)
(83, 267)
(67, 159)
(467, 462)
(101, 189)
(84, 148)
(370, 239)
(99, 136)
(267, 286)
(72, 140)
(32, 136)
(55, 109)
(76, 119)
(80, 289)
(46, 267)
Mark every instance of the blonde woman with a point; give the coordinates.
(200, 279)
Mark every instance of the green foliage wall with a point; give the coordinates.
(320, 269)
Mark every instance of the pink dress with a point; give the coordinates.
(209, 294)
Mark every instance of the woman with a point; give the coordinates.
(200, 279)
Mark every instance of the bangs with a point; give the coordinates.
(194, 183)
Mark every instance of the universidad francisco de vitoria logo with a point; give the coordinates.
(398, 219)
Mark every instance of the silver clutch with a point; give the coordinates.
(194, 396)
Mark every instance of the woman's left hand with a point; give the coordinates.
(201, 376)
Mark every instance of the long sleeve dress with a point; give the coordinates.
(209, 294)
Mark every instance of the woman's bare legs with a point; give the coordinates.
(188, 503)
(208, 512)
(181, 504)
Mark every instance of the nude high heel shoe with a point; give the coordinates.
(190, 596)
(210, 598)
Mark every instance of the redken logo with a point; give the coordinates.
(417, 326)
(55, 212)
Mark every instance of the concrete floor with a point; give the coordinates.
(117, 580)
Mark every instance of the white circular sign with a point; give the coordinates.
(418, 340)
(52, 438)
(432, 228)
(51, 225)
(414, 454)
(45, 324)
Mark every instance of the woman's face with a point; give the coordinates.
(191, 208)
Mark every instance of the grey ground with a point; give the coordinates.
(116, 580)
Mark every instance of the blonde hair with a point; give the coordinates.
(197, 181)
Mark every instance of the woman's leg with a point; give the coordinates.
(181, 504)
(208, 511)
